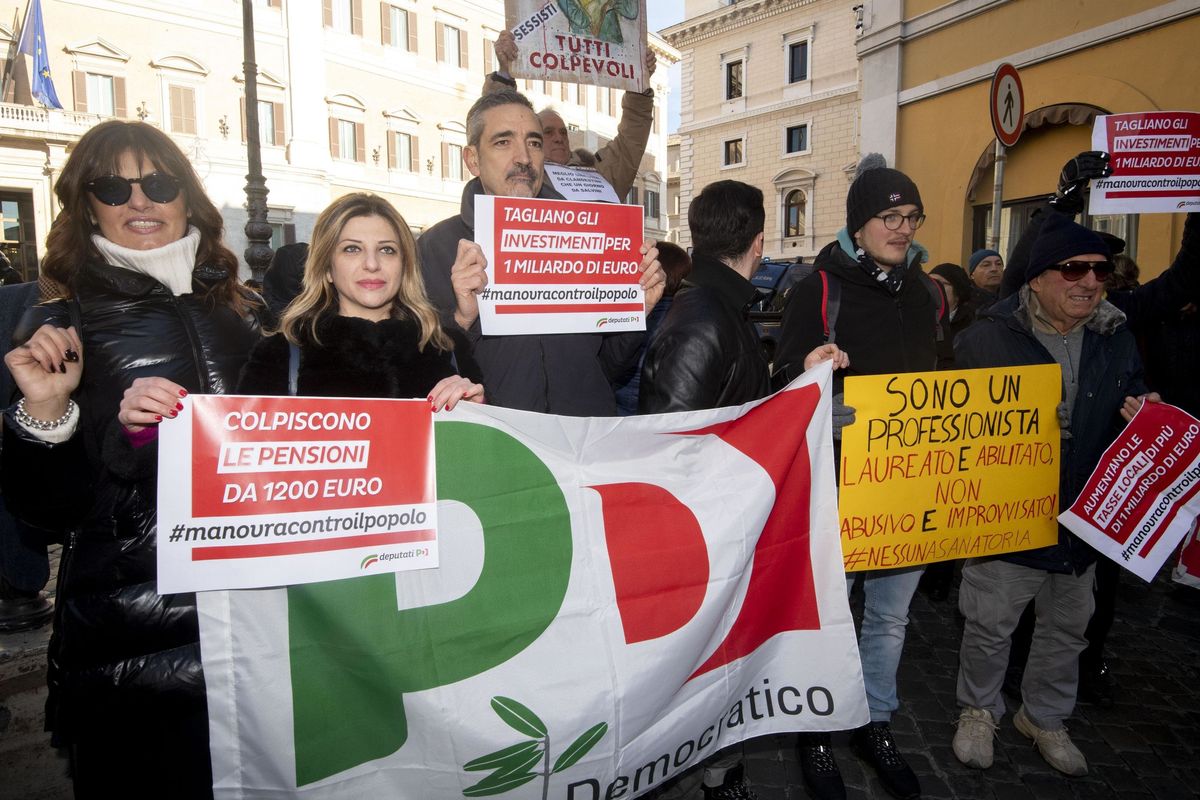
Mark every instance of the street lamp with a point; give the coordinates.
(258, 231)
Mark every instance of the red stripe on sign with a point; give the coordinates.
(1148, 193)
(560, 308)
(316, 546)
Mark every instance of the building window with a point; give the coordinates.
(794, 205)
(452, 163)
(650, 203)
(734, 153)
(346, 140)
(451, 45)
(733, 80)
(344, 16)
(270, 123)
(796, 139)
(798, 62)
(632, 197)
(182, 100)
(101, 95)
(403, 152)
(399, 28)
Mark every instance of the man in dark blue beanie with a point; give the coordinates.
(1058, 316)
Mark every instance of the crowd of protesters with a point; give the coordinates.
(142, 305)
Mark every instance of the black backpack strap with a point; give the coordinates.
(293, 369)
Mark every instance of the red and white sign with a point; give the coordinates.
(1006, 103)
(1155, 159)
(257, 491)
(1145, 494)
(555, 266)
(1187, 571)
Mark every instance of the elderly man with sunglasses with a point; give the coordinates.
(1058, 316)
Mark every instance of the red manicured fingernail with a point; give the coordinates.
(447, 407)
(183, 392)
(179, 406)
(433, 407)
(174, 413)
(158, 417)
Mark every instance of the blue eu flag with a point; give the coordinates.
(33, 42)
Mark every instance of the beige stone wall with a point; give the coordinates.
(759, 36)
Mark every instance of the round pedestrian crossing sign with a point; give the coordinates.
(1007, 104)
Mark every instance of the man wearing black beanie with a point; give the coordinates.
(1058, 316)
(889, 316)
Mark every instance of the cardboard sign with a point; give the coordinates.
(580, 41)
(555, 266)
(581, 183)
(276, 491)
(1155, 158)
(1145, 494)
(946, 465)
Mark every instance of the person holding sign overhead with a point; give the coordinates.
(1058, 316)
(361, 325)
(566, 373)
(154, 311)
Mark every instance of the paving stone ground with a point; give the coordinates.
(1145, 745)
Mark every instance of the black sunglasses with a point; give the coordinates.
(113, 190)
(1075, 270)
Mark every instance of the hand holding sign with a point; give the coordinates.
(468, 277)
(653, 280)
(148, 402)
(1134, 404)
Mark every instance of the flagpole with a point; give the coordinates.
(11, 64)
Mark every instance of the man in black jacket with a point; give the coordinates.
(1058, 316)
(566, 373)
(706, 354)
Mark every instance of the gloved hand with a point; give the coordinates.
(1064, 420)
(1074, 178)
(843, 415)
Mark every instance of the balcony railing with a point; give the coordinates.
(40, 122)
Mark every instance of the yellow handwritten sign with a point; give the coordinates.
(945, 465)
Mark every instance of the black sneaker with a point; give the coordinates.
(732, 788)
(821, 774)
(873, 743)
(23, 611)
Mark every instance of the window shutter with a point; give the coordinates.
(463, 60)
(333, 138)
(360, 143)
(385, 23)
(356, 21)
(416, 157)
(445, 160)
(327, 12)
(289, 233)
(439, 33)
(488, 52)
(187, 96)
(412, 31)
(242, 109)
(277, 113)
(79, 84)
(119, 97)
(274, 3)
(175, 102)
(392, 146)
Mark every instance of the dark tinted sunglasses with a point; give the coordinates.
(113, 190)
(1075, 270)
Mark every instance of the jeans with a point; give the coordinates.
(881, 639)
(992, 596)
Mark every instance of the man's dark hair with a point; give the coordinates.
(486, 103)
(724, 219)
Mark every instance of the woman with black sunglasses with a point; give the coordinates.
(152, 310)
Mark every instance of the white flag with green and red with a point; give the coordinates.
(617, 599)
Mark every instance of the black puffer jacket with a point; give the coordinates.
(705, 354)
(1109, 370)
(356, 358)
(119, 651)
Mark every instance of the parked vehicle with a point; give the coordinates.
(774, 281)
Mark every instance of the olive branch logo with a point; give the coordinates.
(514, 766)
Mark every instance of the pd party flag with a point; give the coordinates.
(617, 599)
(33, 43)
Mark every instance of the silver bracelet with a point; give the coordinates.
(33, 423)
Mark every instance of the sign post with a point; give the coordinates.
(1006, 105)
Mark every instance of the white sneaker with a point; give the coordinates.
(973, 739)
(1055, 747)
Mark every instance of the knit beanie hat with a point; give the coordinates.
(876, 190)
(1062, 238)
(977, 256)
